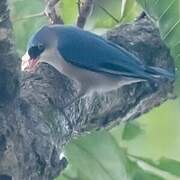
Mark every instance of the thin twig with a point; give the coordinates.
(85, 10)
(79, 6)
(51, 13)
(41, 14)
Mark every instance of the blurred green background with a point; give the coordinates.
(147, 148)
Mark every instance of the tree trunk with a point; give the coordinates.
(34, 127)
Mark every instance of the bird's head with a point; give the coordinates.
(36, 47)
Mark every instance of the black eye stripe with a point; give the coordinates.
(35, 51)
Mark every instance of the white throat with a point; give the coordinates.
(53, 58)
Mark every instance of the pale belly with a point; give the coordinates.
(88, 81)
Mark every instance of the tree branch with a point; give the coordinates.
(35, 128)
(8, 58)
(84, 11)
(9, 89)
(37, 15)
(50, 12)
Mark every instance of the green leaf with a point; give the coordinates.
(107, 14)
(69, 11)
(139, 174)
(142, 175)
(169, 165)
(165, 164)
(24, 28)
(69, 173)
(131, 130)
(64, 177)
(100, 17)
(166, 14)
(129, 10)
(97, 156)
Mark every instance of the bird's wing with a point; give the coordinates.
(92, 52)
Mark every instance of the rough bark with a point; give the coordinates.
(34, 127)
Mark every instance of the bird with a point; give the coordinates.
(95, 63)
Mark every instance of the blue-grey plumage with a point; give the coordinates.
(95, 63)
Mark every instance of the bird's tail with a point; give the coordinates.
(159, 73)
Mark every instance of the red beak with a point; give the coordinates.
(29, 64)
(32, 65)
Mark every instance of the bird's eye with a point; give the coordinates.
(36, 50)
(40, 47)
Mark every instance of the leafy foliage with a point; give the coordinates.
(165, 164)
(25, 27)
(105, 159)
(105, 13)
(131, 131)
(69, 11)
(129, 10)
(101, 159)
